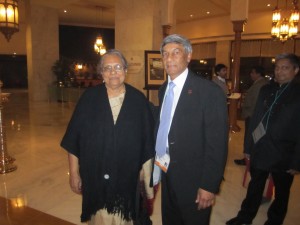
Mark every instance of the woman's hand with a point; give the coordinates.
(74, 179)
(75, 183)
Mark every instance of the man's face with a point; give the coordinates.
(223, 73)
(285, 71)
(175, 59)
(254, 75)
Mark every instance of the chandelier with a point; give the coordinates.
(99, 47)
(9, 17)
(285, 23)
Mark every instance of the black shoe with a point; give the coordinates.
(240, 162)
(270, 223)
(237, 221)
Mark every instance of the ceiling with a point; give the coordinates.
(97, 13)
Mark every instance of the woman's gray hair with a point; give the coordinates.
(112, 52)
(294, 59)
(176, 38)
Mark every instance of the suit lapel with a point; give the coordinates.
(184, 99)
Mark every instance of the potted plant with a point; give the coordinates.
(63, 72)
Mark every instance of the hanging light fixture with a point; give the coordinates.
(99, 47)
(283, 27)
(9, 17)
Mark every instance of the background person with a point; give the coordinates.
(257, 75)
(108, 139)
(220, 77)
(273, 143)
(192, 156)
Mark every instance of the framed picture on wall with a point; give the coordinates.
(155, 74)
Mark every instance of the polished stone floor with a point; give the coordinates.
(39, 187)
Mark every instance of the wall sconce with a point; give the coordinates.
(9, 17)
(79, 66)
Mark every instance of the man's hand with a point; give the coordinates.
(204, 199)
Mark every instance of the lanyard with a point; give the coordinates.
(268, 113)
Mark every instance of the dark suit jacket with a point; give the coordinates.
(279, 148)
(198, 138)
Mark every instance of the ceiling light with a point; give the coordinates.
(9, 17)
(99, 47)
(284, 27)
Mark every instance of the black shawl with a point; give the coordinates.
(110, 156)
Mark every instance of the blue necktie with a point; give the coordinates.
(165, 121)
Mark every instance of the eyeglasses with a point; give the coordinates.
(117, 68)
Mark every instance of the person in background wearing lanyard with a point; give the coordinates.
(273, 143)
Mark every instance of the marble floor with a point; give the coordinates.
(40, 183)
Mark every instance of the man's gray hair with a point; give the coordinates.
(176, 38)
(294, 60)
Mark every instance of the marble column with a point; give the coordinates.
(42, 46)
(137, 28)
(239, 14)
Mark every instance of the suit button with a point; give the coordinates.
(106, 176)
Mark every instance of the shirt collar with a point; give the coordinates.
(221, 79)
(180, 80)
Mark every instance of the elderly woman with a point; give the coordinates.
(108, 140)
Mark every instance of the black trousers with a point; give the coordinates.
(174, 213)
(247, 122)
(278, 208)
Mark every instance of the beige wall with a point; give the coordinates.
(137, 29)
(42, 49)
(220, 28)
(17, 43)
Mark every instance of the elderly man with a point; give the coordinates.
(192, 135)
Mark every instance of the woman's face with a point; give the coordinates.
(113, 71)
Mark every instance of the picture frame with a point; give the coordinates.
(155, 74)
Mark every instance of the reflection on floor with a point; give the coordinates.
(40, 182)
(13, 213)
